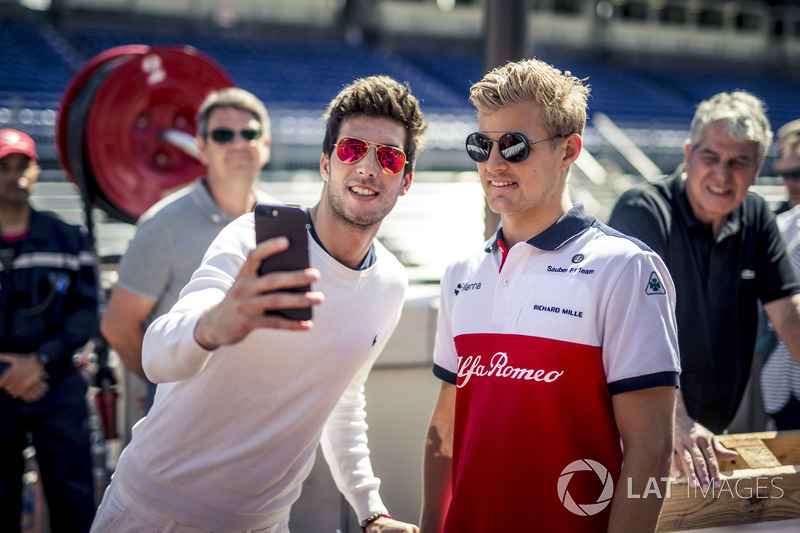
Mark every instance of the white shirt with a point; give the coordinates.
(232, 433)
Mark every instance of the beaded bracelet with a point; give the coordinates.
(371, 518)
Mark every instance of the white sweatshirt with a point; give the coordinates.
(232, 433)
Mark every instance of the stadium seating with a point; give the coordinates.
(303, 73)
(297, 74)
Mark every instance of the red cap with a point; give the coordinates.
(16, 142)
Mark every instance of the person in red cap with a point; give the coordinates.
(48, 310)
(16, 142)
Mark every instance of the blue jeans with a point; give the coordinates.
(58, 424)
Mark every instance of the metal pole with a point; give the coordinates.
(504, 28)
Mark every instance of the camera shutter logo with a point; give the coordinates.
(585, 509)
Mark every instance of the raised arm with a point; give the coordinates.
(224, 301)
(242, 308)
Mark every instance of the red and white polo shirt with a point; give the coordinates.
(538, 339)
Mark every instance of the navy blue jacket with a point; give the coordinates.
(48, 292)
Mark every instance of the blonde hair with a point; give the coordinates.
(560, 95)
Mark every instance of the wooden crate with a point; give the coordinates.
(761, 485)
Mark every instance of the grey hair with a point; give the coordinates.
(741, 114)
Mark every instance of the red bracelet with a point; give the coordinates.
(371, 518)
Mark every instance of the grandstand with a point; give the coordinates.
(296, 65)
(649, 63)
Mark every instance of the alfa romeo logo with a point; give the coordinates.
(585, 509)
(654, 285)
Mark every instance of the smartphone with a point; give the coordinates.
(290, 222)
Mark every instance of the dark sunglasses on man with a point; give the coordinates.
(226, 135)
(514, 147)
(791, 175)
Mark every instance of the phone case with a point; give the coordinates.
(290, 222)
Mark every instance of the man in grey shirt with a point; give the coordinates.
(233, 137)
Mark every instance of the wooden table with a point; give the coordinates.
(760, 487)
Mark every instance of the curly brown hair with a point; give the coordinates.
(377, 96)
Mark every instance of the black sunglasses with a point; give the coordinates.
(514, 147)
(791, 175)
(225, 135)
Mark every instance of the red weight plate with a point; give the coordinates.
(159, 90)
(73, 92)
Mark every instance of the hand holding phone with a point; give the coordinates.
(290, 222)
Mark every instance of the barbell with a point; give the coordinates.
(126, 125)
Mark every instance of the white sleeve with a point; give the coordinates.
(640, 337)
(346, 450)
(445, 356)
(169, 351)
